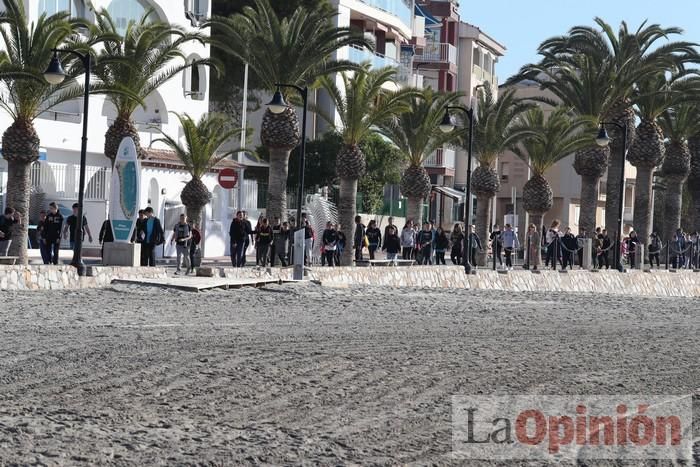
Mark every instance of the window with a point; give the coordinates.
(194, 80)
(51, 7)
(124, 11)
(196, 10)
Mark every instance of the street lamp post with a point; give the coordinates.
(447, 126)
(278, 105)
(55, 74)
(603, 140)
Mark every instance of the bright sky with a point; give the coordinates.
(522, 25)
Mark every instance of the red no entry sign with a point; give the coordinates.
(228, 178)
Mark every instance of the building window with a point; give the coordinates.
(51, 7)
(195, 79)
(125, 11)
(196, 10)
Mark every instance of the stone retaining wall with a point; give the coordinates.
(66, 277)
(654, 283)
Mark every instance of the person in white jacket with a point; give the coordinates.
(408, 240)
(509, 240)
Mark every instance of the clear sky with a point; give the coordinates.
(522, 25)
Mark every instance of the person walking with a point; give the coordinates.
(496, 246)
(52, 232)
(342, 243)
(390, 225)
(580, 243)
(632, 242)
(424, 242)
(456, 240)
(153, 236)
(181, 238)
(569, 246)
(263, 240)
(70, 229)
(329, 241)
(309, 240)
(105, 236)
(509, 240)
(533, 248)
(604, 249)
(358, 238)
(442, 243)
(553, 246)
(237, 232)
(7, 222)
(654, 249)
(475, 245)
(280, 236)
(392, 244)
(678, 250)
(195, 250)
(41, 234)
(249, 237)
(408, 240)
(374, 237)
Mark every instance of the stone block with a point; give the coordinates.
(122, 254)
(207, 272)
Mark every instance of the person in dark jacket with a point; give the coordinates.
(342, 242)
(154, 236)
(456, 239)
(238, 232)
(280, 240)
(329, 240)
(358, 238)
(105, 235)
(475, 245)
(374, 237)
(263, 239)
(580, 242)
(632, 242)
(41, 234)
(569, 246)
(603, 250)
(496, 245)
(424, 242)
(7, 222)
(52, 232)
(392, 244)
(195, 241)
(654, 249)
(442, 243)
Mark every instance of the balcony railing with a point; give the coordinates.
(437, 53)
(377, 60)
(628, 213)
(441, 158)
(397, 8)
(61, 180)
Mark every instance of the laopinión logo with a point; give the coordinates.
(572, 427)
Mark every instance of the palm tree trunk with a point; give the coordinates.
(536, 218)
(672, 208)
(612, 193)
(657, 224)
(414, 210)
(195, 213)
(694, 189)
(277, 184)
(347, 201)
(642, 203)
(18, 195)
(588, 203)
(483, 221)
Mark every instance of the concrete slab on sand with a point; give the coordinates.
(197, 284)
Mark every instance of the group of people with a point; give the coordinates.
(430, 243)
(52, 228)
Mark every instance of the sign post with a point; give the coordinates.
(299, 255)
(125, 196)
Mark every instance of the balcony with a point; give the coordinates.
(628, 214)
(437, 53)
(406, 77)
(397, 8)
(377, 60)
(483, 75)
(442, 158)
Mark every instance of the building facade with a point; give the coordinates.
(56, 173)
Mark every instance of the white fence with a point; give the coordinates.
(61, 180)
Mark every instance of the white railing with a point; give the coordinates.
(441, 158)
(61, 180)
(250, 195)
(377, 60)
(628, 213)
(437, 53)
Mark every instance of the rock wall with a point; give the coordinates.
(66, 277)
(650, 283)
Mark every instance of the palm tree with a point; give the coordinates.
(580, 82)
(27, 53)
(130, 67)
(678, 124)
(552, 138)
(294, 50)
(200, 154)
(363, 103)
(628, 57)
(497, 130)
(657, 94)
(694, 181)
(416, 134)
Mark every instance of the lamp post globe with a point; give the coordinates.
(446, 124)
(277, 105)
(602, 140)
(55, 74)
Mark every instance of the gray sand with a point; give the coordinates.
(289, 375)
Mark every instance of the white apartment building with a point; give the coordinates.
(162, 178)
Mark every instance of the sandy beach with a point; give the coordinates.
(302, 374)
